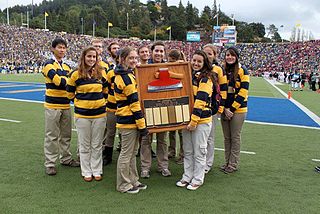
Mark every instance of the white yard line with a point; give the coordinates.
(8, 120)
(316, 160)
(21, 100)
(312, 115)
(280, 124)
(244, 152)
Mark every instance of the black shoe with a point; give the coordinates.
(153, 154)
(142, 186)
(119, 147)
(133, 190)
(107, 155)
(138, 153)
(72, 163)
(317, 169)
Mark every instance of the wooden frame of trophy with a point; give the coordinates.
(166, 95)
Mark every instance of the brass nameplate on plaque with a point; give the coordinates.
(165, 112)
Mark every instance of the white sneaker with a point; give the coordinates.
(193, 187)
(182, 183)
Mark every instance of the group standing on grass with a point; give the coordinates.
(105, 97)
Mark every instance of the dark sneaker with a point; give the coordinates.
(142, 186)
(317, 168)
(166, 173)
(51, 170)
(153, 154)
(179, 161)
(119, 147)
(72, 163)
(230, 169)
(223, 167)
(145, 174)
(133, 190)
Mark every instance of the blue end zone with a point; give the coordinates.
(32, 96)
(260, 109)
(275, 110)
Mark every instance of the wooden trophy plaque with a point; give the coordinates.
(166, 95)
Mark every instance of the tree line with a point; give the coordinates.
(131, 18)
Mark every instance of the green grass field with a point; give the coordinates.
(279, 178)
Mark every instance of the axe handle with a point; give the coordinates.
(175, 75)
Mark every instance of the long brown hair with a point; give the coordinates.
(95, 71)
(124, 53)
(206, 70)
(231, 68)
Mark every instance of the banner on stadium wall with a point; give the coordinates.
(193, 36)
(224, 35)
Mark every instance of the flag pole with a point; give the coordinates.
(108, 30)
(170, 34)
(45, 22)
(93, 28)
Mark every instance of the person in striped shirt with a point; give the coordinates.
(235, 110)
(130, 121)
(212, 53)
(57, 110)
(86, 87)
(195, 137)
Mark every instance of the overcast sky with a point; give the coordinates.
(279, 12)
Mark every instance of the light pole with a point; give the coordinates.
(127, 21)
(8, 22)
(281, 26)
(82, 25)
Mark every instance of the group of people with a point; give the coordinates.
(105, 96)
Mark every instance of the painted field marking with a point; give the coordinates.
(312, 115)
(316, 160)
(11, 86)
(244, 152)
(25, 91)
(8, 120)
(280, 124)
(21, 100)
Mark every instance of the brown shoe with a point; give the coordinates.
(98, 178)
(223, 167)
(230, 169)
(87, 179)
(72, 163)
(51, 170)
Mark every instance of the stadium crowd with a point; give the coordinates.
(29, 53)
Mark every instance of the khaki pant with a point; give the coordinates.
(173, 143)
(90, 136)
(232, 138)
(57, 136)
(161, 150)
(111, 129)
(195, 150)
(127, 174)
(210, 148)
